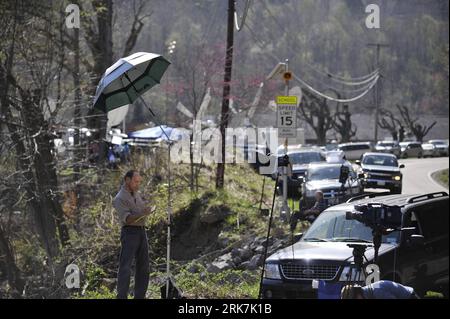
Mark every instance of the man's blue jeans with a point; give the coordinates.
(134, 246)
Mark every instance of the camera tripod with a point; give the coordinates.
(356, 273)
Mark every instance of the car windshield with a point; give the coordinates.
(332, 226)
(380, 160)
(304, 158)
(326, 172)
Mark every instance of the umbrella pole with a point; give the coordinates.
(169, 222)
(169, 197)
(158, 122)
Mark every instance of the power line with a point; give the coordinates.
(334, 99)
(329, 75)
(236, 23)
(310, 87)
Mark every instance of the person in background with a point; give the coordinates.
(111, 159)
(319, 206)
(126, 152)
(94, 151)
(383, 289)
(310, 214)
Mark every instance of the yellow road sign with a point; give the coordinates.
(290, 100)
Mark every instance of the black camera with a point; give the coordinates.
(283, 161)
(377, 216)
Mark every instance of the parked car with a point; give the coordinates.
(411, 149)
(299, 160)
(380, 170)
(429, 150)
(325, 177)
(388, 147)
(441, 147)
(354, 151)
(416, 255)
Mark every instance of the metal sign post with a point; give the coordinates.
(287, 128)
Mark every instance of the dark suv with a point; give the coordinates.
(416, 256)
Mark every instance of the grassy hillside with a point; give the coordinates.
(206, 224)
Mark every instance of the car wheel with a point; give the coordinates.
(420, 155)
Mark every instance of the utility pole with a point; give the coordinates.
(220, 173)
(378, 47)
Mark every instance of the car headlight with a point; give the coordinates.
(397, 178)
(366, 175)
(272, 271)
(349, 271)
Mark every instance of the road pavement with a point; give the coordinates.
(417, 175)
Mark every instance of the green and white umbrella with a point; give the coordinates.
(122, 84)
(127, 79)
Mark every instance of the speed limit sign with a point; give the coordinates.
(287, 116)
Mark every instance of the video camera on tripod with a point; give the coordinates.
(382, 219)
(377, 216)
(283, 161)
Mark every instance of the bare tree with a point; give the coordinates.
(342, 123)
(8, 262)
(197, 70)
(99, 39)
(417, 129)
(388, 121)
(316, 112)
(23, 106)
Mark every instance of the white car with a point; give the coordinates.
(411, 149)
(355, 151)
(391, 147)
(441, 147)
(429, 150)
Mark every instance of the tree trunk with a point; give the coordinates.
(78, 153)
(102, 51)
(49, 215)
(12, 272)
